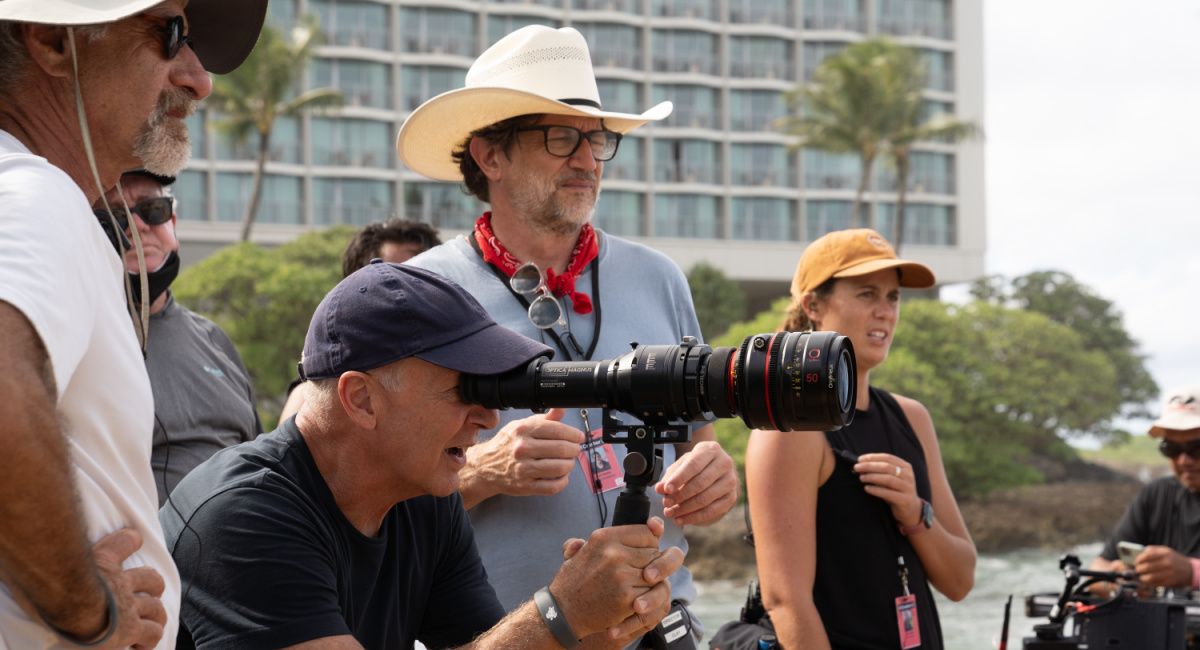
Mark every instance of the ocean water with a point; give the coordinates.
(972, 624)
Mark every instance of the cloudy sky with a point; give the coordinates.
(1093, 158)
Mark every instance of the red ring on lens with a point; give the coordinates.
(767, 383)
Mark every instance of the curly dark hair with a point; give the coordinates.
(366, 245)
(504, 134)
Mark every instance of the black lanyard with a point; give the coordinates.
(558, 340)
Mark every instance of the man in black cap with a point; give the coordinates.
(203, 400)
(87, 91)
(344, 528)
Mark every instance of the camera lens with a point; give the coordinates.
(787, 381)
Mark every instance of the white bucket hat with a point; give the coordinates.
(536, 69)
(222, 32)
(1181, 411)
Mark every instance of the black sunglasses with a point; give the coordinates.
(173, 37)
(1172, 449)
(563, 141)
(153, 212)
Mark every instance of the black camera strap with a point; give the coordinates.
(570, 348)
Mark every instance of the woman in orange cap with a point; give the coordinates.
(853, 526)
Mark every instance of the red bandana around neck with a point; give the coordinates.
(586, 249)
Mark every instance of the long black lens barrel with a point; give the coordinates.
(787, 381)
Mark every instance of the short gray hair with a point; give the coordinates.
(14, 58)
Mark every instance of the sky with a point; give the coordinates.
(1092, 159)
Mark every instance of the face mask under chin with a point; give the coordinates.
(159, 281)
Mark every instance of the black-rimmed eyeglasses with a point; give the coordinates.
(544, 309)
(563, 141)
(173, 35)
(153, 212)
(1172, 449)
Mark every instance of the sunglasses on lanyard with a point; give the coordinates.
(153, 212)
(173, 36)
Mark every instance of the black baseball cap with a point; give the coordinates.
(385, 312)
(161, 179)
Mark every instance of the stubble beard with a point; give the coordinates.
(538, 205)
(162, 143)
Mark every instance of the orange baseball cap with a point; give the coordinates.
(850, 253)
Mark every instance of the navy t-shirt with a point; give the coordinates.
(269, 560)
(1163, 513)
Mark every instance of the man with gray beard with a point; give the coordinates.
(87, 90)
(528, 136)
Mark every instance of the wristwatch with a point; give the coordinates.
(923, 524)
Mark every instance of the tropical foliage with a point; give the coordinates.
(262, 90)
(264, 299)
(719, 301)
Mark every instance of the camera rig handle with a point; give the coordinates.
(643, 462)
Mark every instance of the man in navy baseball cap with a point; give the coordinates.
(345, 522)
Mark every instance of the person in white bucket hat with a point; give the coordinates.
(88, 89)
(528, 135)
(1163, 522)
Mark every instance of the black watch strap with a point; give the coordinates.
(553, 617)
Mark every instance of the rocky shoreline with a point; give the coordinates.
(1080, 506)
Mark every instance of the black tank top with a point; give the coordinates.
(857, 579)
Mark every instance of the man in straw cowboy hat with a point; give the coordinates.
(528, 136)
(87, 90)
(1164, 518)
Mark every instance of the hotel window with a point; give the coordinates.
(363, 83)
(924, 224)
(354, 23)
(623, 6)
(932, 18)
(198, 134)
(755, 110)
(627, 164)
(677, 50)
(939, 66)
(929, 173)
(760, 164)
(281, 14)
(438, 31)
(284, 143)
(620, 213)
(687, 215)
(349, 142)
(759, 57)
(763, 218)
(683, 8)
(442, 204)
(761, 12)
(500, 26)
(613, 45)
(824, 217)
(834, 15)
(621, 95)
(831, 171)
(351, 200)
(420, 82)
(815, 54)
(697, 107)
(687, 161)
(280, 202)
(191, 195)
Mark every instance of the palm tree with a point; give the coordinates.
(263, 90)
(916, 128)
(852, 107)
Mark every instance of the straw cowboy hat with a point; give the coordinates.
(536, 69)
(221, 32)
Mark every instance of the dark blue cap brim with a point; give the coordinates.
(489, 351)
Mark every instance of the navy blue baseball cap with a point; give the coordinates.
(384, 312)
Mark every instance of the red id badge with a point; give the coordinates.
(599, 463)
(906, 618)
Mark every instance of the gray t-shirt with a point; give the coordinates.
(644, 298)
(202, 393)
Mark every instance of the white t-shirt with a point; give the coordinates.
(59, 270)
